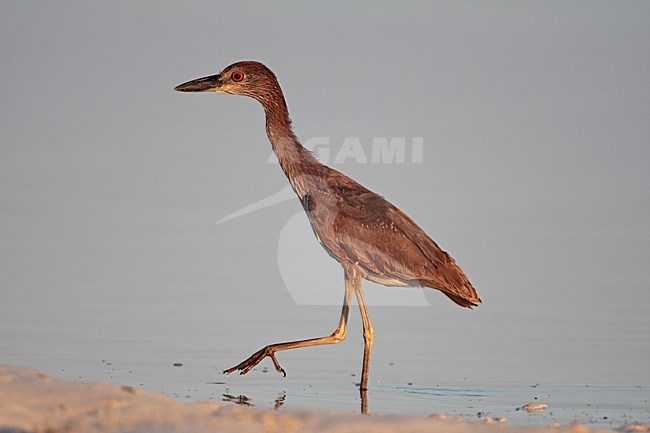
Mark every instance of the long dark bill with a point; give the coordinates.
(205, 84)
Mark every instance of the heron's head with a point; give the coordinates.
(242, 78)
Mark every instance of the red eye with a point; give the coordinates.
(237, 76)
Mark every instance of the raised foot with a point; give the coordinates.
(257, 357)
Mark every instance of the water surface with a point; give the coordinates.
(419, 367)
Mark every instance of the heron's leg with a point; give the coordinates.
(368, 333)
(337, 336)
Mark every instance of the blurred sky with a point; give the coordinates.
(535, 118)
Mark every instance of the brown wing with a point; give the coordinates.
(362, 228)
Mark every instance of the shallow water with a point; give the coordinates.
(180, 349)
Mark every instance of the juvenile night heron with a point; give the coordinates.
(367, 235)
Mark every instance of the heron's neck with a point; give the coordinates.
(301, 168)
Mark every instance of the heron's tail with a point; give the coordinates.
(464, 302)
(464, 295)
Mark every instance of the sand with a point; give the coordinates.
(32, 401)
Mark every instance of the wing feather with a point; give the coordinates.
(363, 228)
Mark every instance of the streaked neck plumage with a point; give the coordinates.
(302, 169)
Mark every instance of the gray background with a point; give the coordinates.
(535, 118)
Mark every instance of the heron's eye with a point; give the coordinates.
(237, 76)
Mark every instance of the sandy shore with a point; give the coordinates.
(32, 401)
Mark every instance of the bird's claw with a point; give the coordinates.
(257, 357)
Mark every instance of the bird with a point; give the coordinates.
(370, 237)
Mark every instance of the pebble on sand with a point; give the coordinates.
(534, 407)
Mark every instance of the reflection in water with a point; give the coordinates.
(240, 399)
(244, 400)
(364, 401)
(279, 401)
(247, 401)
